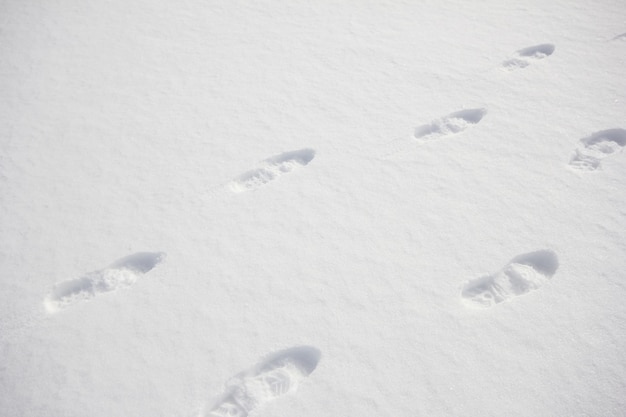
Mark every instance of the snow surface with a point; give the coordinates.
(312, 208)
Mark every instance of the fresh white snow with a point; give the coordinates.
(312, 208)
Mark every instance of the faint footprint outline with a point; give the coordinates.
(521, 275)
(278, 374)
(596, 147)
(525, 56)
(450, 124)
(122, 273)
(621, 37)
(271, 169)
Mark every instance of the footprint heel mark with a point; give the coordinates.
(275, 376)
(449, 125)
(524, 57)
(227, 406)
(593, 149)
(523, 274)
(122, 273)
(272, 168)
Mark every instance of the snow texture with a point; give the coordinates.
(368, 208)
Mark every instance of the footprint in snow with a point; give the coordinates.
(272, 168)
(523, 274)
(524, 57)
(596, 147)
(621, 37)
(448, 125)
(275, 376)
(120, 274)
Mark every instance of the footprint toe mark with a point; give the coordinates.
(537, 51)
(139, 262)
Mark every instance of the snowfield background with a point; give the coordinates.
(312, 208)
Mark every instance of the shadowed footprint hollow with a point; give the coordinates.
(273, 377)
(521, 275)
(271, 169)
(122, 273)
(449, 125)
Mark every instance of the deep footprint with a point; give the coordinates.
(523, 274)
(272, 168)
(596, 147)
(524, 57)
(449, 125)
(277, 375)
(120, 274)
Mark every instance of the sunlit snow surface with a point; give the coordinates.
(312, 208)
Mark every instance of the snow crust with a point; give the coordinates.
(355, 208)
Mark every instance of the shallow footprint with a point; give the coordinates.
(449, 125)
(621, 37)
(524, 57)
(275, 376)
(523, 274)
(120, 274)
(272, 168)
(596, 147)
